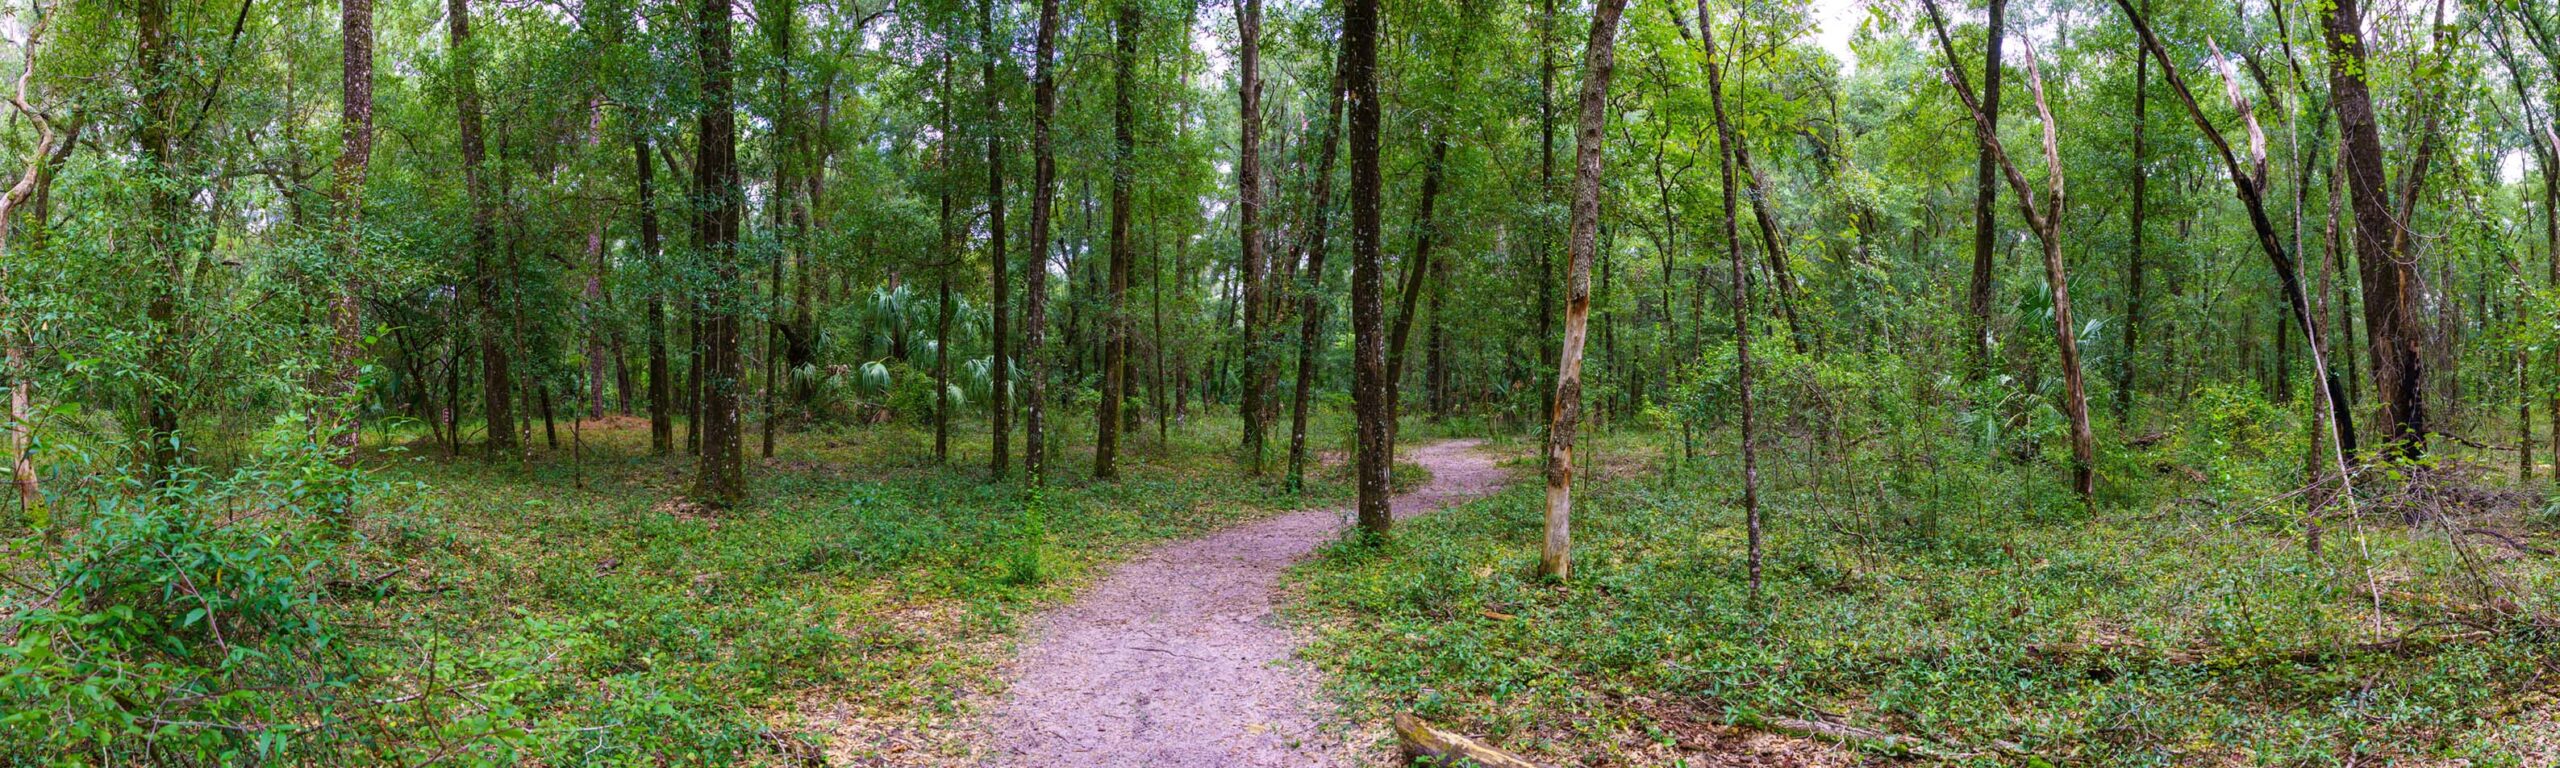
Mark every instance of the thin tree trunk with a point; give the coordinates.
(2047, 223)
(1035, 279)
(156, 81)
(1986, 196)
(661, 391)
(1417, 275)
(2133, 277)
(1726, 159)
(1257, 363)
(1599, 60)
(38, 174)
(497, 383)
(1115, 379)
(999, 293)
(1311, 245)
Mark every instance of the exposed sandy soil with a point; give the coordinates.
(1176, 659)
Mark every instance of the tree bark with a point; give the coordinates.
(720, 480)
(1115, 373)
(661, 390)
(1369, 386)
(1599, 61)
(156, 81)
(2394, 332)
(1986, 196)
(999, 292)
(1035, 278)
(1727, 159)
(2047, 223)
(497, 382)
(355, 153)
(2133, 277)
(1257, 363)
(1311, 245)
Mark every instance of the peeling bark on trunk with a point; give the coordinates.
(1599, 61)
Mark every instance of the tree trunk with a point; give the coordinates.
(1986, 196)
(1000, 366)
(720, 480)
(2047, 223)
(2133, 277)
(1311, 245)
(31, 183)
(2394, 333)
(1369, 387)
(156, 82)
(1035, 278)
(1115, 336)
(355, 153)
(1416, 277)
(1257, 363)
(1599, 60)
(1726, 160)
(661, 392)
(497, 382)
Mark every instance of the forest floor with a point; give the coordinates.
(1950, 610)
(1178, 658)
(855, 611)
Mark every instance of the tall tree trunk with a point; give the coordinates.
(2133, 277)
(1599, 60)
(999, 293)
(2047, 223)
(1417, 276)
(1311, 246)
(720, 480)
(497, 382)
(1726, 159)
(31, 182)
(355, 153)
(1986, 197)
(948, 158)
(662, 418)
(1035, 276)
(1257, 357)
(156, 80)
(1369, 387)
(1115, 379)
(1544, 241)
(2394, 332)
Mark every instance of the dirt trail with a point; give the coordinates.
(1176, 658)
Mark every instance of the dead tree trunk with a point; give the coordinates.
(1598, 62)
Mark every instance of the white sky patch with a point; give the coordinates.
(1834, 22)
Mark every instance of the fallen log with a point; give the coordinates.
(1429, 745)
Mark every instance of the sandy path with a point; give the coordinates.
(1176, 658)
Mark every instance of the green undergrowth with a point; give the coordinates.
(570, 609)
(1971, 604)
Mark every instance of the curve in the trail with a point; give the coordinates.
(1176, 659)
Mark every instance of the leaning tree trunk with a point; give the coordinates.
(1599, 60)
(22, 469)
(2047, 223)
(720, 480)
